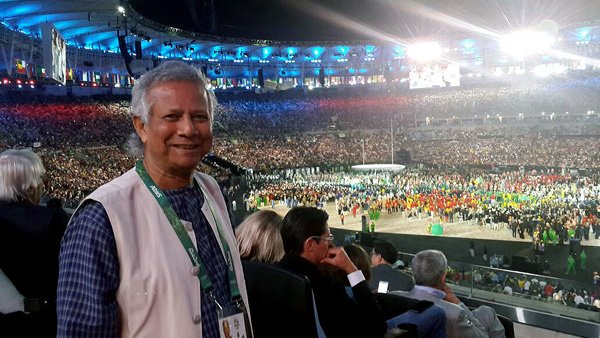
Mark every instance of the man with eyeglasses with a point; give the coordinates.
(308, 244)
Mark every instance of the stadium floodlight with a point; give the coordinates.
(424, 51)
(525, 43)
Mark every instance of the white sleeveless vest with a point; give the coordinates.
(159, 294)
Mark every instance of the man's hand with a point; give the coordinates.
(338, 258)
(450, 296)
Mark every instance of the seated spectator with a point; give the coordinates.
(383, 256)
(308, 244)
(429, 269)
(360, 258)
(430, 323)
(259, 237)
(30, 237)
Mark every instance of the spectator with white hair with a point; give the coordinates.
(30, 236)
(429, 269)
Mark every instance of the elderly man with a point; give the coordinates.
(429, 269)
(308, 244)
(384, 254)
(152, 253)
(30, 236)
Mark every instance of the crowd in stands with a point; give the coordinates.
(55, 122)
(512, 149)
(264, 154)
(72, 174)
(451, 146)
(349, 108)
(283, 130)
(549, 290)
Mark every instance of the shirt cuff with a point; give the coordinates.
(355, 278)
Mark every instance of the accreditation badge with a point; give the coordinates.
(232, 322)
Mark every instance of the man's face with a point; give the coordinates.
(178, 132)
(316, 248)
(323, 244)
(375, 259)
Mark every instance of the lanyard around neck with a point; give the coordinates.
(183, 236)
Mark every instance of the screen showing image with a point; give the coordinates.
(434, 75)
(55, 53)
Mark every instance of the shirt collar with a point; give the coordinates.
(434, 292)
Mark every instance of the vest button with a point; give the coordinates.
(195, 270)
(196, 319)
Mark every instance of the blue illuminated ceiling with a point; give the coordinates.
(94, 24)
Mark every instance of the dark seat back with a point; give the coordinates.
(281, 302)
(509, 327)
(393, 304)
(417, 318)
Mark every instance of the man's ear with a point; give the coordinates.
(140, 128)
(308, 245)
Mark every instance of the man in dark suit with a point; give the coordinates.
(30, 237)
(308, 245)
(384, 254)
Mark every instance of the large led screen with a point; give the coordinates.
(434, 75)
(55, 53)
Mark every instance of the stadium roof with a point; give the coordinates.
(302, 26)
(334, 20)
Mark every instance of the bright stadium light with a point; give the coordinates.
(424, 51)
(525, 43)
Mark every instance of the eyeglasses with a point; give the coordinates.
(317, 238)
